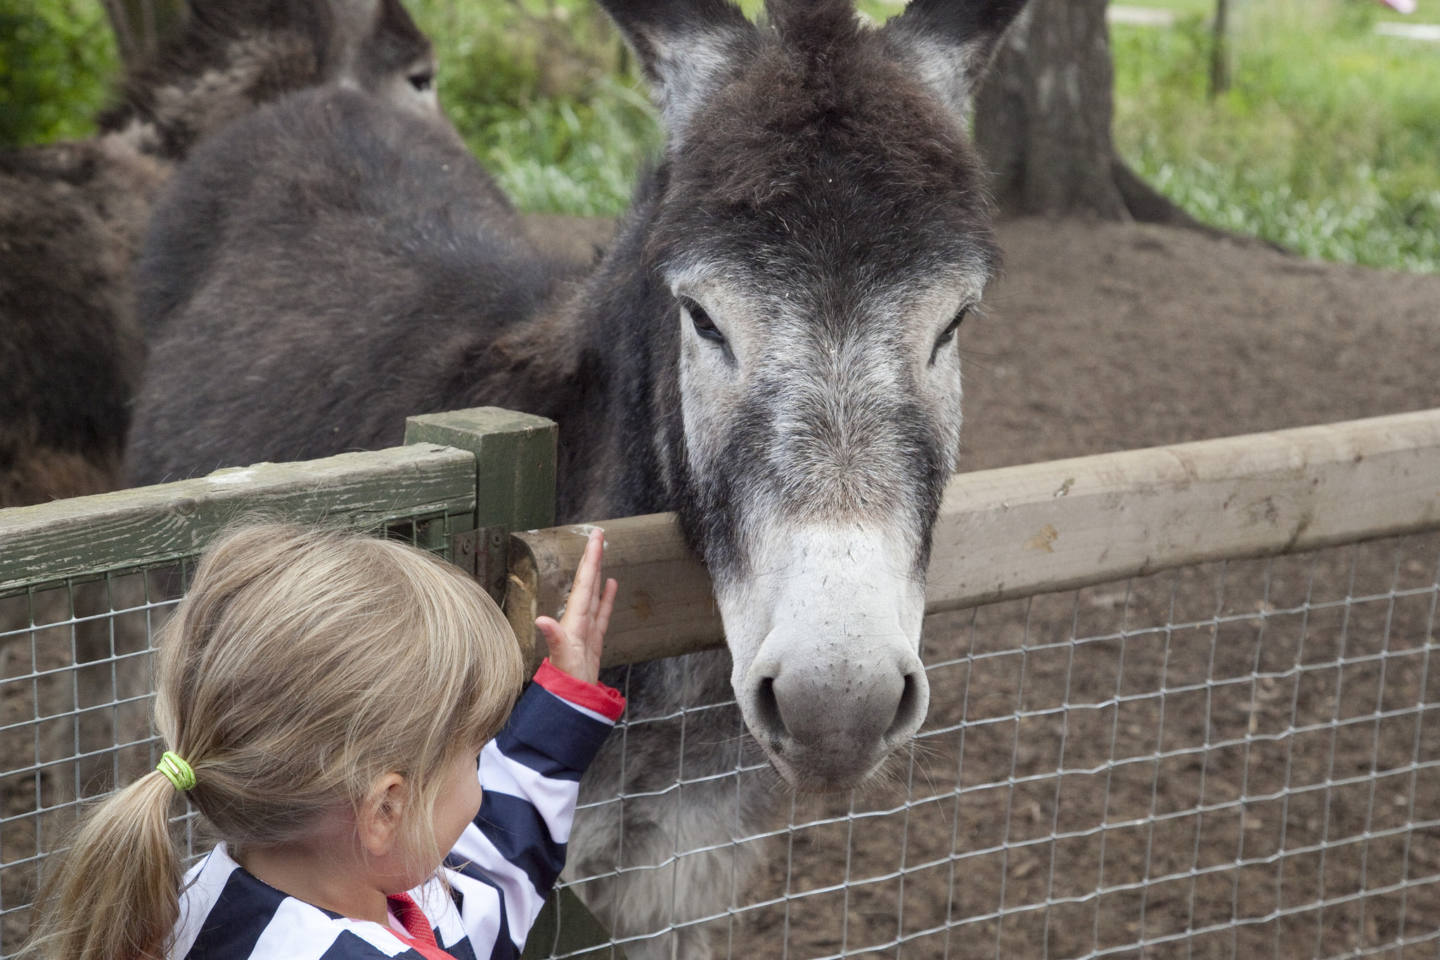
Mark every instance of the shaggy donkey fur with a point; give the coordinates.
(72, 215)
(767, 349)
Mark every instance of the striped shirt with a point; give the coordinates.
(498, 874)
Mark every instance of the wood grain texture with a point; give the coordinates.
(664, 606)
(1019, 531)
(1059, 525)
(514, 461)
(155, 524)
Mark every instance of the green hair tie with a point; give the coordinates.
(176, 770)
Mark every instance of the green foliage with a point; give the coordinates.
(55, 60)
(1327, 142)
(547, 99)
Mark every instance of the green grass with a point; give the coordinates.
(1427, 11)
(1328, 141)
(546, 97)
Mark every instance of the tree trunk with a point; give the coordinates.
(141, 25)
(1219, 51)
(1042, 120)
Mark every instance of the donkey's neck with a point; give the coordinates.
(612, 440)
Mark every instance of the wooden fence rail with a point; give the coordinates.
(1001, 534)
(1019, 531)
(438, 472)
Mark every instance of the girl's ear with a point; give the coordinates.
(377, 822)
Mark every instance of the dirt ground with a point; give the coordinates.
(1108, 336)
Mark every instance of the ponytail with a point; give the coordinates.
(114, 894)
(276, 678)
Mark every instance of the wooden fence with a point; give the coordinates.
(478, 487)
(1038, 528)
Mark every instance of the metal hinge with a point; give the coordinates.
(485, 555)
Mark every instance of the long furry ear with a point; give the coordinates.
(951, 42)
(393, 47)
(684, 46)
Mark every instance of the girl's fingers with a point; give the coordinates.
(585, 574)
(554, 633)
(581, 630)
(589, 589)
(584, 591)
(607, 606)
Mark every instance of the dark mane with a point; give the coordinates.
(812, 28)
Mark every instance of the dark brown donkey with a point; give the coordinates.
(768, 349)
(72, 215)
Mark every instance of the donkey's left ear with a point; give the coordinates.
(951, 42)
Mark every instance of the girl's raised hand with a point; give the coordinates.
(575, 641)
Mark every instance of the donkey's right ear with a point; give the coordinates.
(684, 46)
(951, 42)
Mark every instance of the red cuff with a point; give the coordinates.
(606, 701)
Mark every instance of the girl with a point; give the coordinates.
(324, 697)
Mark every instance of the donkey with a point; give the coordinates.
(72, 215)
(767, 348)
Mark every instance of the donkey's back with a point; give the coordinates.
(328, 219)
(72, 215)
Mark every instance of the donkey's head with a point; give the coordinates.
(233, 55)
(822, 232)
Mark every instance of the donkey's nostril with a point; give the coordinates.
(908, 714)
(767, 713)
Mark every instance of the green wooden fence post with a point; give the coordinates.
(514, 480)
(514, 490)
(514, 461)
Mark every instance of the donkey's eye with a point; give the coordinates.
(423, 81)
(703, 324)
(948, 334)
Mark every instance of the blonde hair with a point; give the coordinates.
(302, 665)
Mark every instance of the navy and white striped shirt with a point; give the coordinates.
(499, 873)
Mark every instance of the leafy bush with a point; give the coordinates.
(546, 98)
(55, 60)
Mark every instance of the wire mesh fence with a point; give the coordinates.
(75, 700)
(1232, 760)
(1237, 759)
